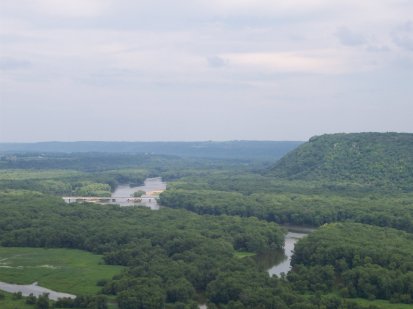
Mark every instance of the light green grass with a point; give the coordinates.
(62, 270)
(243, 254)
(37, 174)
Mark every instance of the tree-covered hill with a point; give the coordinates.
(385, 158)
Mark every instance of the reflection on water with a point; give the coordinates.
(152, 188)
(123, 195)
(279, 261)
(268, 259)
(34, 289)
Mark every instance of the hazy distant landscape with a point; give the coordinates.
(258, 150)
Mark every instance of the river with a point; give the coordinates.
(34, 289)
(279, 261)
(123, 195)
(152, 188)
(284, 264)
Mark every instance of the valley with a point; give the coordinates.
(220, 225)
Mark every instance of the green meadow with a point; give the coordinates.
(63, 270)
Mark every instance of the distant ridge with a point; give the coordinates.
(266, 150)
(360, 157)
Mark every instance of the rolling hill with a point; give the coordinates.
(385, 158)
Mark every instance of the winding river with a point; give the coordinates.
(284, 265)
(34, 289)
(279, 261)
(276, 262)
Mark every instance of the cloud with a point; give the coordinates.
(40, 10)
(322, 61)
(348, 37)
(252, 59)
(13, 64)
(378, 49)
(217, 62)
(403, 36)
(233, 7)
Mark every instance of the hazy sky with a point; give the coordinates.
(203, 69)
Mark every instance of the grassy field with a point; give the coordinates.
(63, 270)
(35, 174)
(243, 254)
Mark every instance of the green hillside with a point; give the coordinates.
(377, 158)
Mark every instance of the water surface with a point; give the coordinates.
(152, 188)
(123, 195)
(34, 289)
(283, 265)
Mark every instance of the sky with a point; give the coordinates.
(174, 70)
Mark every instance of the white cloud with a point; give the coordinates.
(327, 61)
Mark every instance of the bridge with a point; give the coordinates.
(108, 199)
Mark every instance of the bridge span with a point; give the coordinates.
(108, 199)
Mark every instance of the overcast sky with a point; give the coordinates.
(203, 69)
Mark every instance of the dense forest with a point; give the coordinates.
(356, 260)
(218, 214)
(170, 253)
(379, 158)
(172, 256)
(297, 209)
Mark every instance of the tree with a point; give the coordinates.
(43, 302)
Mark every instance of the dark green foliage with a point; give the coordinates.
(170, 254)
(359, 260)
(42, 302)
(31, 299)
(313, 210)
(95, 302)
(384, 159)
(138, 193)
